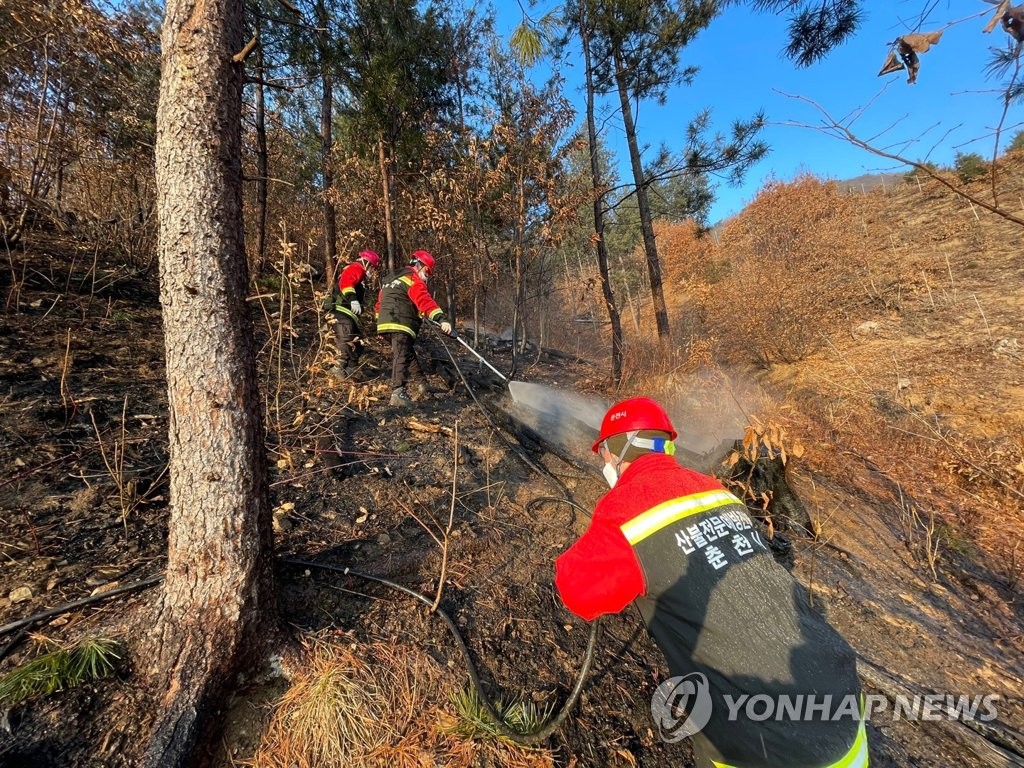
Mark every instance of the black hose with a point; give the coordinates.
(566, 498)
(529, 738)
(79, 603)
(536, 500)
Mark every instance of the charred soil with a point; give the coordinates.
(358, 483)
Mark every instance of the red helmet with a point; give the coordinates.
(634, 414)
(425, 259)
(371, 258)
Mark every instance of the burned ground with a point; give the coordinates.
(357, 483)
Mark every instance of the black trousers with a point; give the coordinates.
(404, 360)
(346, 333)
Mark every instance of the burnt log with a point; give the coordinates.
(762, 484)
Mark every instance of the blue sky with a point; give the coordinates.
(952, 107)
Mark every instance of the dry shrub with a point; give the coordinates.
(379, 705)
(646, 360)
(796, 271)
(689, 255)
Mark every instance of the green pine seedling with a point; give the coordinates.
(91, 658)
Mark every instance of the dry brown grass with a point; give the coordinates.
(898, 312)
(798, 273)
(374, 706)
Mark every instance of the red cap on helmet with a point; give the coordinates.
(371, 258)
(425, 259)
(634, 414)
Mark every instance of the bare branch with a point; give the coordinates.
(243, 54)
(451, 518)
(833, 128)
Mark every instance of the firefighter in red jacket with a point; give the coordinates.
(349, 296)
(403, 301)
(734, 626)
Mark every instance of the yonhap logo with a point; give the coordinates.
(681, 706)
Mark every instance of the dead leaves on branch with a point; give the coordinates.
(762, 440)
(903, 55)
(765, 438)
(905, 50)
(1010, 17)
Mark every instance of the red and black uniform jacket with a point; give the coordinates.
(350, 288)
(716, 602)
(402, 303)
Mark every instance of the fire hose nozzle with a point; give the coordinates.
(476, 354)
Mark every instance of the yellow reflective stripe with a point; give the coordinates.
(407, 280)
(857, 757)
(388, 327)
(436, 312)
(347, 311)
(653, 520)
(346, 291)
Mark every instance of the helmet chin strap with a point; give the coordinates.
(630, 437)
(657, 445)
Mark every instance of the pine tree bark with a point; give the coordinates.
(598, 187)
(262, 164)
(218, 591)
(646, 222)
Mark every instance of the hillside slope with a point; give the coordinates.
(911, 407)
(356, 483)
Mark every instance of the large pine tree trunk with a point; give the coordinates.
(218, 590)
(598, 186)
(262, 164)
(646, 223)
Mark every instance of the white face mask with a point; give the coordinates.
(610, 475)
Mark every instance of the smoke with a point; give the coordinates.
(568, 419)
(709, 409)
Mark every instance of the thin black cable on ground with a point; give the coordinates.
(534, 737)
(78, 603)
(25, 624)
(529, 738)
(566, 498)
(538, 500)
